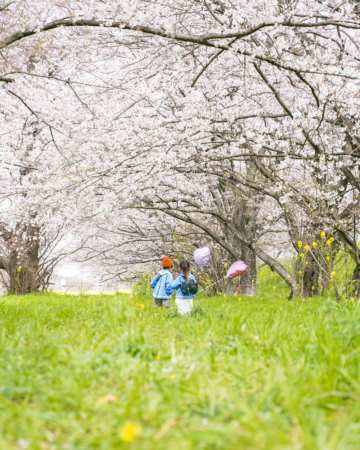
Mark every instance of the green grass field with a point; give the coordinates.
(113, 372)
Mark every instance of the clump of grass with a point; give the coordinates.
(114, 372)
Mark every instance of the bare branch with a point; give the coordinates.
(273, 90)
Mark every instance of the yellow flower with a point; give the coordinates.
(130, 431)
(322, 234)
(299, 244)
(314, 244)
(328, 259)
(333, 274)
(307, 247)
(301, 255)
(330, 241)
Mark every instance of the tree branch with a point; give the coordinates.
(273, 90)
(5, 7)
(204, 40)
(211, 60)
(355, 182)
(6, 80)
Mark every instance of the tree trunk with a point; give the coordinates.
(24, 262)
(245, 221)
(247, 284)
(356, 281)
(3, 263)
(23, 279)
(310, 279)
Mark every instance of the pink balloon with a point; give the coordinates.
(202, 256)
(236, 269)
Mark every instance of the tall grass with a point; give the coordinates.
(238, 374)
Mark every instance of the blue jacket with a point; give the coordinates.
(177, 285)
(161, 284)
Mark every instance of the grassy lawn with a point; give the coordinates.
(112, 372)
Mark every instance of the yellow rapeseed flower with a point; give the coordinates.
(333, 274)
(301, 255)
(322, 234)
(299, 244)
(307, 247)
(130, 431)
(314, 244)
(330, 241)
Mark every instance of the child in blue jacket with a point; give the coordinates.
(186, 287)
(161, 283)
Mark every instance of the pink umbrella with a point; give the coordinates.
(236, 269)
(202, 256)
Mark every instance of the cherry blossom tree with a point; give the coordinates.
(261, 98)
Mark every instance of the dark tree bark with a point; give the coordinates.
(22, 264)
(310, 279)
(3, 263)
(244, 220)
(356, 281)
(246, 225)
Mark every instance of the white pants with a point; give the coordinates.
(184, 306)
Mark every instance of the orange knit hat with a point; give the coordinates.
(166, 262)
